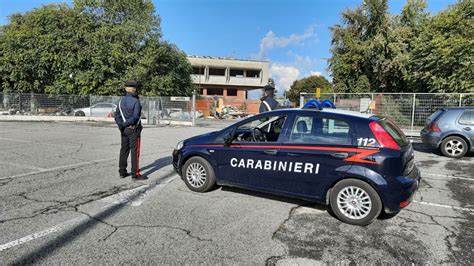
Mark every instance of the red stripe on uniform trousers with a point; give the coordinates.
(137, 173)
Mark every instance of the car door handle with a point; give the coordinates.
(294, 154)
(270, 152)
(467, 128)
(340, 155)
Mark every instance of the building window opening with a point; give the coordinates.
(239, 73)
(215, 91)
(253, 73)
(231, 92)
(217, 71)
(198, 70)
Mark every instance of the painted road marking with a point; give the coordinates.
(23, 166)
(136, 196)
(28, 238)
(63, 167)
(449, 176)
(127, 198)
(444, 206)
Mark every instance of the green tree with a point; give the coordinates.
(308, 85)
(371, 49)
(91, 48)
(40, 50)
(442, 59)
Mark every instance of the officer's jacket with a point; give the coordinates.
(270, 101)
(131, 109)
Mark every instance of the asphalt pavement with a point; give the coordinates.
(62, 202)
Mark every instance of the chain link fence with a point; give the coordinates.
(154, 109)
(408, 110)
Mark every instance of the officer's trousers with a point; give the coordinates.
(130, 145)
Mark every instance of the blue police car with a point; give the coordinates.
(358, 164)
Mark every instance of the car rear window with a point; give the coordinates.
(394, 131)
(434, 116)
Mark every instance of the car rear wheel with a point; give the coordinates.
(454, 147)
(355, 202)
(198, 175)
(79, 113)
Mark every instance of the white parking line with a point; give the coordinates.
(63, 167)
(448, 176)
(23, 166)
(125, 197)
(130, 197)
(444, 206)
(40, 234)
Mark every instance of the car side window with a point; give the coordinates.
(270, 126)
(467, 118)
(320, 130)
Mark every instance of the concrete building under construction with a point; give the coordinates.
(228, 77)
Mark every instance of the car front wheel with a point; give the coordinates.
(454, 147)
(198, 174)
(355, 202)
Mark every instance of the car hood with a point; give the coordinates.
(201, 139)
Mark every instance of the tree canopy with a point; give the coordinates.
(375, 51)
(308, 84)
(91, 48)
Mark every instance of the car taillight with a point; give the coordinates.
(382, 137)
(433, 127)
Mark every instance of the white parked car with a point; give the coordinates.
(97, 110)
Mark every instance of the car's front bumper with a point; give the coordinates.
(400, 191)
(177, 161)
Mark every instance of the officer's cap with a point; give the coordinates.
(268, 88)
(131, 83)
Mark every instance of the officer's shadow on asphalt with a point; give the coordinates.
(156, 165)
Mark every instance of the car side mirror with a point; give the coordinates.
(227, 140)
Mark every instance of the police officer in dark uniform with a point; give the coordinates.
(268, 103)
(127, 117)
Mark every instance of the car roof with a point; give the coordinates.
(332, 111)
(457, 107)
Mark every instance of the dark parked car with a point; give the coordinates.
(451, 130)
(359, 164)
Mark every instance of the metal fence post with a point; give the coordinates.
(301, 100)
(413, 112)
(90, 105)
(193, 110)
(460, 99)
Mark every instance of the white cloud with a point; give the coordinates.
(299, 59)
(315, 73)
(284, 75)
(271, 41)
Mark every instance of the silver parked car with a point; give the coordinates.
(451, 130)
(97, 110)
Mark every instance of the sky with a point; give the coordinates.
(293, 35)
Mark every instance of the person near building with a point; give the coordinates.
(268, 101)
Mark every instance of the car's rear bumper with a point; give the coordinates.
(430, 138)
(400, 191)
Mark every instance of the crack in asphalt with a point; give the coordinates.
(77, 150)
(446, 239)
(67, 205)
(273, 260)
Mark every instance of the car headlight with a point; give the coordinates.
(180, 145)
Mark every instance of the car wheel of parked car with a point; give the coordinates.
(198, 174)
(454, 147)
(355, 202)
(79, 113)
